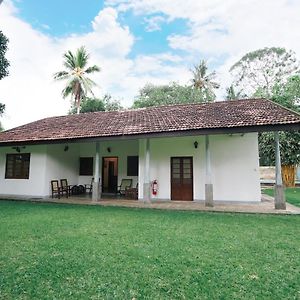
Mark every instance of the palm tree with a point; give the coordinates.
(203, 81)
(78, 84)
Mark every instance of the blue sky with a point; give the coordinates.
(134, 42)
(59, 18)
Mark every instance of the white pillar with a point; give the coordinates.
(209, 200)
(279, 196)
(96, 184)
(146, 185)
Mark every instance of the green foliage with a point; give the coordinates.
(289, 148)
(4, 64)
(263, 69)
(203, 81)
(95, 104)
(58, 251)
(111, 104)
(173, 93)
(78, 84)
(287, 95)
(232, 94)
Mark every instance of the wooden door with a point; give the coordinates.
(109, 174)
(182, 178)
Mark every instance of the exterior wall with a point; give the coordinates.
(61, 164)
(32, 187)
(120, 149)
(235, 170)
(50, 162)
(234, 159)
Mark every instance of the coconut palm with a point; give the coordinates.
(203, 81)
(78, 84)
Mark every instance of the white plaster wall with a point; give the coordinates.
(234, 165)
(32, 187)
(120, 149)
(61, 164)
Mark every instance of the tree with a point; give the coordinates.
(262, 69)
(232, 94)
(95, 104)
(4, 64)
(111, 104)
(203, 81)
(287, 95)
(172, 93)
(78, 84)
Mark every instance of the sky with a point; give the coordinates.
(134, 42)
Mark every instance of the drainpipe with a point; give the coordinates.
(279, 189)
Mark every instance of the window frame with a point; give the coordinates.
(133, 170)
(22, 169)
(86, 171)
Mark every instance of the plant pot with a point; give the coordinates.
(288, 175)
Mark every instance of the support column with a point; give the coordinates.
(146, 185)
(279, 196)
(209, 200)
(96, 184)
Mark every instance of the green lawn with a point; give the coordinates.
(292, 195)
(52, 251)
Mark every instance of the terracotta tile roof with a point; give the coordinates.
(163, 119)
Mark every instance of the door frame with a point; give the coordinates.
(102, 171)
(192, 176)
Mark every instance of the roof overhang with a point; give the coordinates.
(194, 132)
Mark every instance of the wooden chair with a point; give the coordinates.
(65, 188)
(89, 186)
(125, 184)
(55, 189)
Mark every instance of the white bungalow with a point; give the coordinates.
(195, 152)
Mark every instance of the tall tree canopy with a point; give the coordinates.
(262, 69)
(288, 95)
(95, 104)
(4, 64)
(204, 81)
(173, 93)
(75, 74)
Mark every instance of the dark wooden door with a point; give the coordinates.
(182, 178)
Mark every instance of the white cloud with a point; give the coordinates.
(216, 29)
(29, 92)
(154, 23)
(231, 28)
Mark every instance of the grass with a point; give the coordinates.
(52, 251)
(292, 195)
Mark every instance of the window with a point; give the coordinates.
(132, 165)
(86, 166)
(17, 166)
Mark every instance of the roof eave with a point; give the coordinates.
(190, 132)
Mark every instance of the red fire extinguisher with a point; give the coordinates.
(154, 187)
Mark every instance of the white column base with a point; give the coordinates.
(146, 196)
(209, 199)
(96, 194)
(279, 197)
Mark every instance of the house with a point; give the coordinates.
(195, 152)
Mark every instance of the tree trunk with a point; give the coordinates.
(288, 175)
